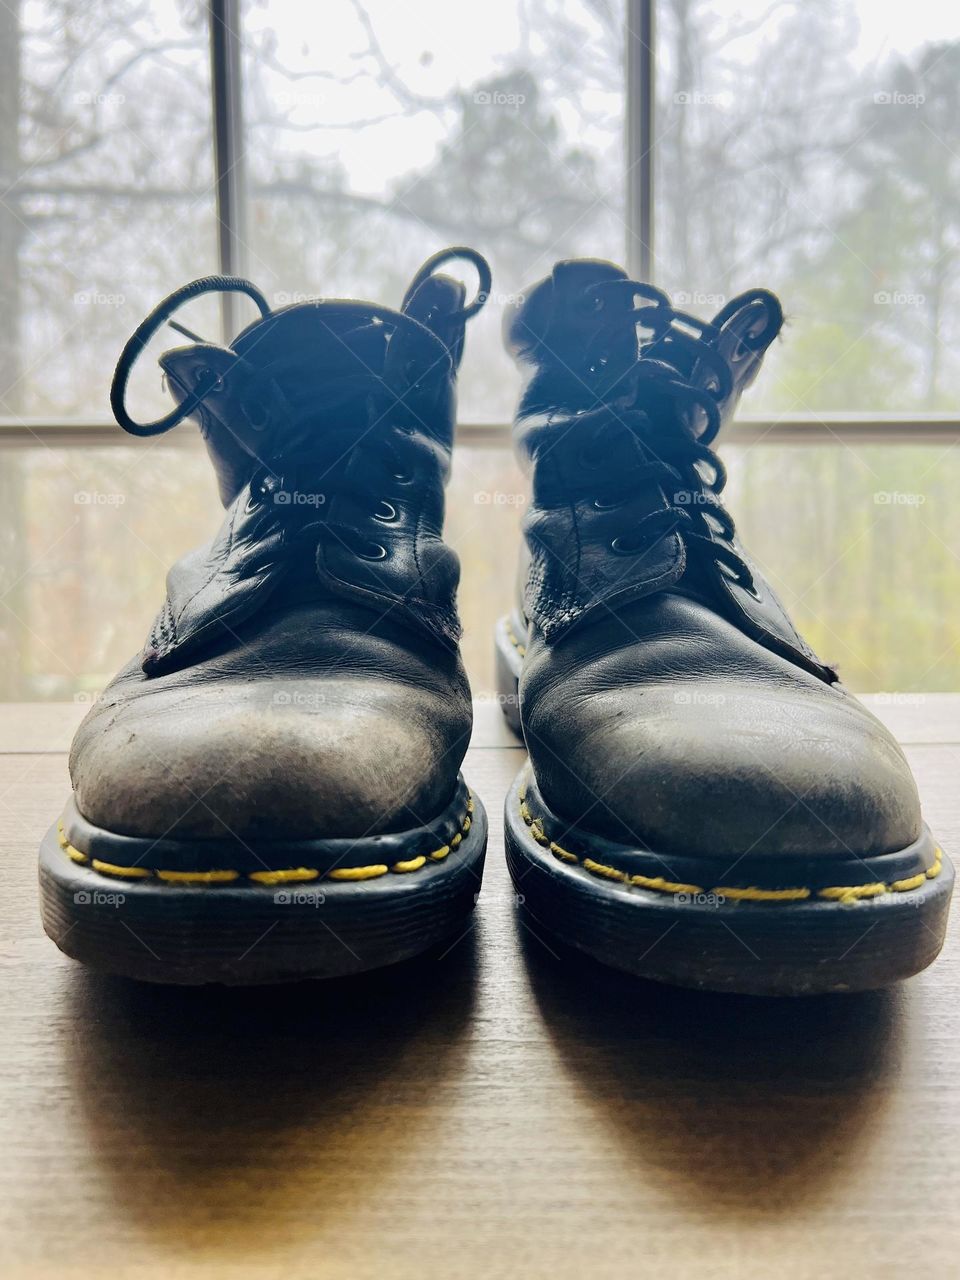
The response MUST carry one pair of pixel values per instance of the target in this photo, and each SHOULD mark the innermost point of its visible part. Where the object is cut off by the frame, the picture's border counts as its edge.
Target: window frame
(225, 39)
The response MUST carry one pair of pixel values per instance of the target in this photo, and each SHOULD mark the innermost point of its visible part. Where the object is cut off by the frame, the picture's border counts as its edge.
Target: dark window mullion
(639, 117)
(227, 89)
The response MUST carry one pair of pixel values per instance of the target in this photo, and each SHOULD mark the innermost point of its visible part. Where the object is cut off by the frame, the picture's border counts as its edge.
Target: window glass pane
(860, 544)
(815, 148)
(378, 133)
(105, 188)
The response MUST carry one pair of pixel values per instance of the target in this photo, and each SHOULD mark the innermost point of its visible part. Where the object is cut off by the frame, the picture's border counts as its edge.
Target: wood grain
(500, 1109)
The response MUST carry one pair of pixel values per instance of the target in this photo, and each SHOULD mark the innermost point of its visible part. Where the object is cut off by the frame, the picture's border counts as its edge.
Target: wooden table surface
(501, 1109)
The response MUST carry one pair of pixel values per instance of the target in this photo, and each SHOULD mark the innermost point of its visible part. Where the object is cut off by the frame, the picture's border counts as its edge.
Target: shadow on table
(227, 1119)
(741, 1107)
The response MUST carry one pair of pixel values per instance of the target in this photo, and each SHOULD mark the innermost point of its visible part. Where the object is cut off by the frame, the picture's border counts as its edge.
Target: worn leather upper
(666, 697)
(302, 676)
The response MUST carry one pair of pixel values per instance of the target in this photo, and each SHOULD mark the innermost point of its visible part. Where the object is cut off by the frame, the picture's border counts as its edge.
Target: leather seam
(225, 555)
(285, 875)
(747, 893)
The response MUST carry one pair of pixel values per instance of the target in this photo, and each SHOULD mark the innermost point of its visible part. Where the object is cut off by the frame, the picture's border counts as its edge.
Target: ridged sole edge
(753, 948)
(247, 934)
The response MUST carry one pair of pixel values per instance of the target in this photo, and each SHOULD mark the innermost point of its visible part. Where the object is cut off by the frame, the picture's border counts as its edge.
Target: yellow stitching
(511, 636)
(852, 892)
(414, 864)
(913, 882)
(291, 876)
(283, 876)
(601, 869)
(132, 873)
(73, 854)
(198, 877)
(752, 894)
(663, 886)
(358, 873)
(834, 893)
(563, 854)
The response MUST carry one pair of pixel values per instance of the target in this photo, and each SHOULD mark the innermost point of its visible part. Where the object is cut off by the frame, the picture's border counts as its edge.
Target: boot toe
(336, 757)
(723, 769)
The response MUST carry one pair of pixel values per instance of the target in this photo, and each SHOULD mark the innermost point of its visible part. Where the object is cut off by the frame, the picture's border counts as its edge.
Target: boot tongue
(286, 383)
(317, 354)
(313, 377)
(556, 317)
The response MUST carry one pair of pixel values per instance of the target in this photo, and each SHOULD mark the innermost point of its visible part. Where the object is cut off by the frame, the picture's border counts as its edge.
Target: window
(810, 147)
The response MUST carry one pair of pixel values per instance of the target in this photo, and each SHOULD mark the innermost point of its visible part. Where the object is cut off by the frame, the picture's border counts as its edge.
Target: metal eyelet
(257, 415)
(216, 379)
(733, 577)
(371, 551)
(262, 487)
(622, 548)
(386, 513)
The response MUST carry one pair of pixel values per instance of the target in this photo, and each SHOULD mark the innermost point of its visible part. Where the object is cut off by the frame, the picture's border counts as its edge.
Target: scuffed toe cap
(269, 759)
(726, 769)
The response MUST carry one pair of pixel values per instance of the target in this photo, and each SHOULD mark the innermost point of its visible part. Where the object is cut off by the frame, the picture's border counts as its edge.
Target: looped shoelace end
(146, 330)
(429, 268)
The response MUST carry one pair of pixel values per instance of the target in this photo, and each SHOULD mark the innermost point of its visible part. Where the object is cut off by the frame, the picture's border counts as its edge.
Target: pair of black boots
(271, 790)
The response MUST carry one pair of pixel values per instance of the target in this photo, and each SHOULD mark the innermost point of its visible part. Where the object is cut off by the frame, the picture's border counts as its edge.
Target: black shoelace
(313, 453)
(659, 404)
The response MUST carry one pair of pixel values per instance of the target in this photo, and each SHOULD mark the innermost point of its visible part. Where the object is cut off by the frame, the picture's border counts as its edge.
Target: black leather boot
(705, 803)
(271, 790)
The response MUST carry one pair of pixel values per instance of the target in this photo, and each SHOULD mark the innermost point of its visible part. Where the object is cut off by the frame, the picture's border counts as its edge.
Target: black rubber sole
(627, 909)
(246, 932)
